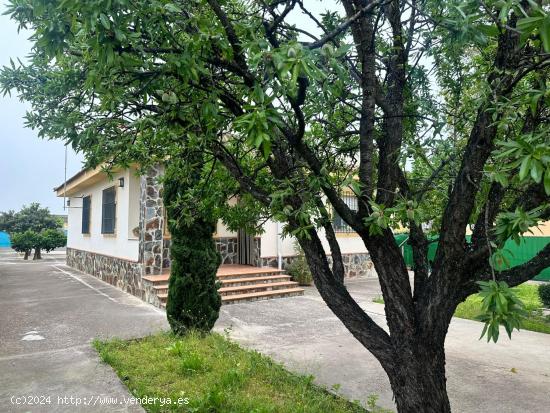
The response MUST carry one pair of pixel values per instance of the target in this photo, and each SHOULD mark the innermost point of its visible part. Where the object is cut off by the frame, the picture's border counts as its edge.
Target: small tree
(33, 219)
(51, 239)
(46, 240)
(23, 242)
(193, 299)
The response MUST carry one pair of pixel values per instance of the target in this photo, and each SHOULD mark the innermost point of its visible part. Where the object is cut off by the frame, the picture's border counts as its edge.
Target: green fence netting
(517, 254)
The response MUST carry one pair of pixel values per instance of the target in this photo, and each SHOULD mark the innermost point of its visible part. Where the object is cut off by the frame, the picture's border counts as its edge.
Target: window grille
(338, 223)
(86, 209)
(108, 217)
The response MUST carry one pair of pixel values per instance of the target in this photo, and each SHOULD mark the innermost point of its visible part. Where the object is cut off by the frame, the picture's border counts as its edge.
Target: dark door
(246, 247)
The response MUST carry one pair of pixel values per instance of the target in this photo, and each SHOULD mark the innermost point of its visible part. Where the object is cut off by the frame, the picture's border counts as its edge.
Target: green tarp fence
(517, 254)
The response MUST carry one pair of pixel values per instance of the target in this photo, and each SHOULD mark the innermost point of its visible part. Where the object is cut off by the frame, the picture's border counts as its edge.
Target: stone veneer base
(127, 275)
(123, 274)
(355, 264)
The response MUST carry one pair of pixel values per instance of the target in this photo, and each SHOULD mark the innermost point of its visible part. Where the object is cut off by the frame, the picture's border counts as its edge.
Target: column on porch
(151, 239)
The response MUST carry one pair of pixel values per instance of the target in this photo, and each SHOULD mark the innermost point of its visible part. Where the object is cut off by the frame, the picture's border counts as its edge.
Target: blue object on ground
(4, 239)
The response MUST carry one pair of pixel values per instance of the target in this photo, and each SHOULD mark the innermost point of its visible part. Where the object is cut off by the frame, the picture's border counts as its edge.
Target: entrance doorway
(245, 245)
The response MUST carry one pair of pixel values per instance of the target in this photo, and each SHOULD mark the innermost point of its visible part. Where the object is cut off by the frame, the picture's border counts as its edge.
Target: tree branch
(344, 26)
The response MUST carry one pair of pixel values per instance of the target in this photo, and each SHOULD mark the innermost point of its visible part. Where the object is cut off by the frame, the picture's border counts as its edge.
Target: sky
(30, 167)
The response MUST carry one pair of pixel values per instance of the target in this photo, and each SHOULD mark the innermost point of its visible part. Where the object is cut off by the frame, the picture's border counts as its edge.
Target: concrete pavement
(49, 315)
(511, 376)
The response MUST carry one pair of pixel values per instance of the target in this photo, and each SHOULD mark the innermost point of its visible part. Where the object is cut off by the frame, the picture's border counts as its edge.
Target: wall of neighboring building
(543, 230)
(120, 244)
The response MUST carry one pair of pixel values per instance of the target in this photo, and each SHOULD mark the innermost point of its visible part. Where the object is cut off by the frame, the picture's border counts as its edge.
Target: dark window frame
(108, 211)
(86, 214)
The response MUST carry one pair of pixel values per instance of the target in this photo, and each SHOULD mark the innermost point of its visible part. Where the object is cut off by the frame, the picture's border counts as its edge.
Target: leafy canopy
(29, 218)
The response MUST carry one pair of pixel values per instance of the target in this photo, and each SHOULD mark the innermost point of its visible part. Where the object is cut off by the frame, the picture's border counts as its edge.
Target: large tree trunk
(27, 253)
(418, 380)
(37, 254)
(412, 356)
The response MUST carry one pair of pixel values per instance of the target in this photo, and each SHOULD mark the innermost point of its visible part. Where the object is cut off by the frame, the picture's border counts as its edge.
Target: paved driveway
(48, 317)
(302, 333)
(50, 313)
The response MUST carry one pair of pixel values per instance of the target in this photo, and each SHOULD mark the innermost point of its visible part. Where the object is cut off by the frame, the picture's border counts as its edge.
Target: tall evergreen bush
(193, 298)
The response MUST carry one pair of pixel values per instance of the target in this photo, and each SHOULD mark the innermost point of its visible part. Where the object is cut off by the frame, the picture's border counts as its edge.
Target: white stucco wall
(116, 245)
(223, 232)
(349, 243)
(269, 242)
(221, 229)
(133, 203)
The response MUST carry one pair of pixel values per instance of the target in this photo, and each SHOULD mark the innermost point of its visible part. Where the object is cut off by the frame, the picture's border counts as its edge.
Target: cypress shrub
(193, 298)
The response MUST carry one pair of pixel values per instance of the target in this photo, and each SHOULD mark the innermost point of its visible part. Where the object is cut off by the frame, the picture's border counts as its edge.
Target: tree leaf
(547, 181)
(104, 21)
(545, 33)
(524, 168)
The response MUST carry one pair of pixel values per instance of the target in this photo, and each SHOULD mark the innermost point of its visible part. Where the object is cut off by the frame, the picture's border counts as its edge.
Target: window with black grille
(338, 223)
(108, 211)
(86, 211)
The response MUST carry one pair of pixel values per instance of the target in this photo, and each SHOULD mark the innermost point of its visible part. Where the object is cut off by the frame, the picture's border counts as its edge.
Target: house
(117, 232)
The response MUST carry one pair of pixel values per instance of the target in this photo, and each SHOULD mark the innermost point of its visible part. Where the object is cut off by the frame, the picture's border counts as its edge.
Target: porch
(239, 283)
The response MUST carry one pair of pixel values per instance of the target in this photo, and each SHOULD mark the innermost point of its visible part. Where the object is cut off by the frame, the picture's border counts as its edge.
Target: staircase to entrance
(239, 283)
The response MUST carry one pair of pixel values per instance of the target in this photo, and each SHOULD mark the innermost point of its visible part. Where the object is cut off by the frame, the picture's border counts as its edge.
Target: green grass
(216, 375)
(378, 299)
(528, 293)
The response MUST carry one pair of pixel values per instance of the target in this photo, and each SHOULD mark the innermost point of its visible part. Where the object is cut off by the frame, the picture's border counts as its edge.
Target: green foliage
(515, 224)
(33, 218)
(531, 154)
(544, 294)
(227, 378)
(537, 23)
(378, 299)
(528, 293)
(373, 407)
(46, 240)
(379, 219)
(299, 269)
(152, 74)
(24, 241)
(499, 306)
(51, 239)
(191, 363)
(193, 299)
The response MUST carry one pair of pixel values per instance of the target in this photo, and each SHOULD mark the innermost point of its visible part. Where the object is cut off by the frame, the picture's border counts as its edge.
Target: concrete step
(157, 279)
(162, 279)
(160, 288)
(256, 288)
(263, 295)
(226, 272)
(239, 283)
(162, 298)
(233, 282)
(245, 295)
